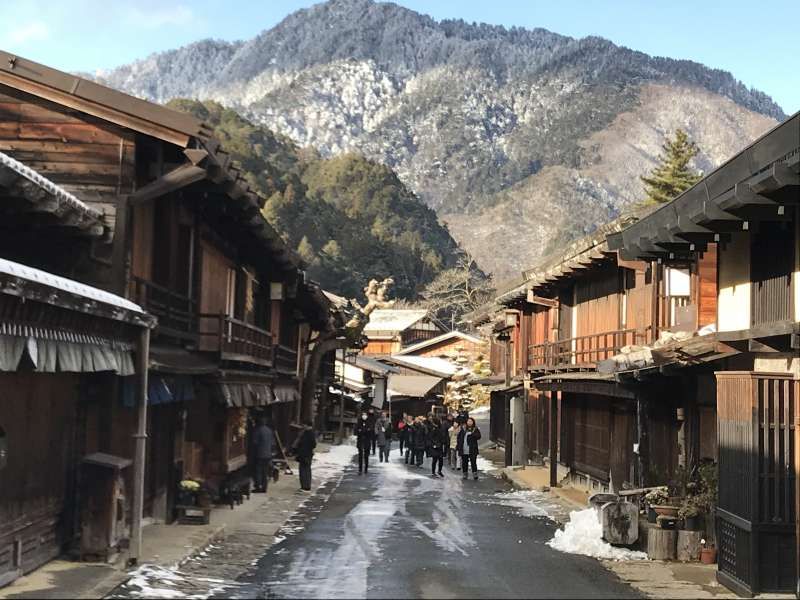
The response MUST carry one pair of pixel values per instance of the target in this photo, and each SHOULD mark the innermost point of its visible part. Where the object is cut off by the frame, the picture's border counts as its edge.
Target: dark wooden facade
(757, 506)
(181, 234)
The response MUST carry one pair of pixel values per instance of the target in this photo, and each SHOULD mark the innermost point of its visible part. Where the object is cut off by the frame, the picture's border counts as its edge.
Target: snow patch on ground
(527, 503)
(583, 535)
(486, 465)
(151, 581)
(327, 465)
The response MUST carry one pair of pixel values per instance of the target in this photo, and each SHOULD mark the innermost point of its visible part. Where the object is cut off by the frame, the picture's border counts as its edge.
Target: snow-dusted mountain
(518, 138)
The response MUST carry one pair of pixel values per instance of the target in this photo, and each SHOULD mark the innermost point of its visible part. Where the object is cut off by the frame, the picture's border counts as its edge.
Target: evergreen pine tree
(672, 175)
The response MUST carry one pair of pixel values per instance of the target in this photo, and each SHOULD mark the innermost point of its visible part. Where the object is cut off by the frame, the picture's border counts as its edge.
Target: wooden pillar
(553, 439)
(796, 384)
(275, 321)
(140, 438)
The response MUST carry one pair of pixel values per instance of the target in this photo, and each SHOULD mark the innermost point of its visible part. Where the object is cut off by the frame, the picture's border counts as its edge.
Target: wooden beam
(534, 299)
(92, 108)
(744, 196)
(780, 175)
(763, 345)
(176, 179)
(197, 156)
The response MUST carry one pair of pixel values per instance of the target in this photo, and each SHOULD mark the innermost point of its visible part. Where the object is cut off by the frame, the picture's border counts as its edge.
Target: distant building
(391, 330)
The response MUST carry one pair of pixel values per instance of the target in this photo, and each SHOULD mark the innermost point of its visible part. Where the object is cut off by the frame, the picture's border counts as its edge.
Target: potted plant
(662, 503)
(691, 513)
(187, 492)
(655, 497)
(708, 553)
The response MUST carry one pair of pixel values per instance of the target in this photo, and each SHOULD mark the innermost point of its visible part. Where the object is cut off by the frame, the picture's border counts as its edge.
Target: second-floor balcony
(236, 340)
(176, 313)
(582, 352)
(285, 359)
(414, 336)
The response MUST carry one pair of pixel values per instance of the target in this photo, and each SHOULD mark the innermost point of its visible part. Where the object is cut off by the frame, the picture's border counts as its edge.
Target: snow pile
(584, 535)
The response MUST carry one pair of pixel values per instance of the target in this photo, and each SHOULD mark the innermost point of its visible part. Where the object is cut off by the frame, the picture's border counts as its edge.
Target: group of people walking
(454, 437)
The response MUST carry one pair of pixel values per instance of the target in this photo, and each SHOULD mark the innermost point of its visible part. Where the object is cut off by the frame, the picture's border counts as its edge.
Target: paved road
(398, 533)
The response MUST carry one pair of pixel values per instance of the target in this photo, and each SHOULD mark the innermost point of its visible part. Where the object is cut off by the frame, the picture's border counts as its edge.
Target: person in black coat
(437, 439)
(467, 442)
(420, 441)
(304, 451)
(371, 419)
(447, 422)
(263, 439)
(364, 432)
(409, 433)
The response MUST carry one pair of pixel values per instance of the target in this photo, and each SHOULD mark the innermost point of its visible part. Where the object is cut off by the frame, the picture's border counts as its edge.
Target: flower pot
(666, 510)
(708, 556)
(651, 515)
(694, 523)
(186, 498)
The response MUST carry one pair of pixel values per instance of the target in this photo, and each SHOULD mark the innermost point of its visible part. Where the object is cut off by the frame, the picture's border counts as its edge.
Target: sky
(758, 44)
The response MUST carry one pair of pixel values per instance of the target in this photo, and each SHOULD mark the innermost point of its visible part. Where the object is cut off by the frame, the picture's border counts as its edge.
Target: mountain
(351, 219)
(517, 138)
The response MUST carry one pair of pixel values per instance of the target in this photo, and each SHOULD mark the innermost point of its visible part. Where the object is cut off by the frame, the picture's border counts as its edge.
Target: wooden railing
(413, 336)
(237, 340)
(176, 313)
(285, 359)
(585, 350)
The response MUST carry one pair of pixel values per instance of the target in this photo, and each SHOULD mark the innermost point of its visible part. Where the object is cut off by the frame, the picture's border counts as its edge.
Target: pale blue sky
(757, 42)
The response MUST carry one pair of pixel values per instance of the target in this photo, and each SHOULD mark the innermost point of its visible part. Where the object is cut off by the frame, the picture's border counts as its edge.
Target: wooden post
(688, 546)
(140, 438)
(797, 482)
(553, 439)
(662, 544)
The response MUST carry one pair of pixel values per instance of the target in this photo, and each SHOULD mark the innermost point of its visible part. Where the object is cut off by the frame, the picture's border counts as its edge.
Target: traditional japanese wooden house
(391, 330)
(749, 208)
(577, 310)
(448, 345)
(185, 240)
(65, 349)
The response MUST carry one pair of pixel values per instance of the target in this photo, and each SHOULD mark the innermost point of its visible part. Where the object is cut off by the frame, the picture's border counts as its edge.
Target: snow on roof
(336, 300)
(48, 186)
(439, 339)
(431, 364)
(393, 319)
(412, 386)
(374, 366)
(63, 284)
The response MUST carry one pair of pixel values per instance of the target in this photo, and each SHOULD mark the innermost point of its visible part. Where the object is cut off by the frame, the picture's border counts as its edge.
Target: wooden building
(449, 345)
(65, 349)
(391, 330)
(749, 208)
(577, 309)
(185, 239)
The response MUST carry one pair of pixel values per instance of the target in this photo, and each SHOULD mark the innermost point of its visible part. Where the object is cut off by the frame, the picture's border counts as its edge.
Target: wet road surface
(398, 533)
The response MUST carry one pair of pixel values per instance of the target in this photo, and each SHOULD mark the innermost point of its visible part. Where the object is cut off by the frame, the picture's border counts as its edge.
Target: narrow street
(396, 532)
(399, 533)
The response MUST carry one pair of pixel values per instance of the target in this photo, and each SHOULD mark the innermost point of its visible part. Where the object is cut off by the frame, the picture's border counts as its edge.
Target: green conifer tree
(672, 175)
